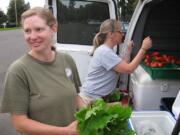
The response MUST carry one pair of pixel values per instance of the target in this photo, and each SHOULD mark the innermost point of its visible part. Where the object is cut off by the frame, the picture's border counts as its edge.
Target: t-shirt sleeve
(77, 81)
(16, 95)
(109, 59)
(75, 77)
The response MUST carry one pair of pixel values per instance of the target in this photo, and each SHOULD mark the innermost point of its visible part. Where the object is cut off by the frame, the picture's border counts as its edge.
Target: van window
(79, 21)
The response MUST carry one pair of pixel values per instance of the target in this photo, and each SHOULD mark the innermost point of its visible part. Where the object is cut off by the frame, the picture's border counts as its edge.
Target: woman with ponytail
(106, 65)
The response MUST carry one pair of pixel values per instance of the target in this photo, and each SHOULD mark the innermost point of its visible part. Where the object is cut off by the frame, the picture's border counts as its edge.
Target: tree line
(14, 11)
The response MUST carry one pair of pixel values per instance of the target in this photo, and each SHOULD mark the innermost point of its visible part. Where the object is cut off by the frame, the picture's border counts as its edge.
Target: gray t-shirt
(101, 79)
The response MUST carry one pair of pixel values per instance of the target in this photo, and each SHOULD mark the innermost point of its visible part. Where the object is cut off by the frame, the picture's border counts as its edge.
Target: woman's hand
(147, 43)
(72, 128)
(28, 126)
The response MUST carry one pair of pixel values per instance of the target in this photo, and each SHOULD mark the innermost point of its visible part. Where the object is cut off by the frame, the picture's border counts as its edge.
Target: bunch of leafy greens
(102, 119)
(114, 96)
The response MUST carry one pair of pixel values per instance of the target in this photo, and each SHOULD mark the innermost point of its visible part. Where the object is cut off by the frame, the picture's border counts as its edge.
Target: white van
(79, 21)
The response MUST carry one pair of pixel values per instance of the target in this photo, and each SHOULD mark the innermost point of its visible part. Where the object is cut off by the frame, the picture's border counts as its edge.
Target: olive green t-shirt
(44, 91)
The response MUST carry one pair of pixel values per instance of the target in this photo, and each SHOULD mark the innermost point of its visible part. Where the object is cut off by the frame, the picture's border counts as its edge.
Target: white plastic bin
(147, 93)
(152, 122)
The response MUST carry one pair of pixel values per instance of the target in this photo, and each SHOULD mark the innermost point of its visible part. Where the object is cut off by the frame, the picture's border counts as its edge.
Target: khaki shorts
(87, 100)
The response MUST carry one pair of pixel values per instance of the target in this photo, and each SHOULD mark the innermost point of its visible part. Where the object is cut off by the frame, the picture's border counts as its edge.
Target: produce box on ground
(162, 66)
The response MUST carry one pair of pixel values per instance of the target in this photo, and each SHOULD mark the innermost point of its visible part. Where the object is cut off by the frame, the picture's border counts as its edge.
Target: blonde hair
(43, 13)
(109, 25)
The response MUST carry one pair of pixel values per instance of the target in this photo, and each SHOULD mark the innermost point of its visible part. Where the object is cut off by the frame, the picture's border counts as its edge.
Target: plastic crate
(169, 71)
(152, 122)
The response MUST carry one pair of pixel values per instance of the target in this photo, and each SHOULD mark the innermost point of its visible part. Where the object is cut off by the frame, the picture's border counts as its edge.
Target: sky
(4, 4)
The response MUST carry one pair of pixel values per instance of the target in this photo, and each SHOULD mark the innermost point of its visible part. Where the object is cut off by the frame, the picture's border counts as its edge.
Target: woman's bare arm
(25, 125)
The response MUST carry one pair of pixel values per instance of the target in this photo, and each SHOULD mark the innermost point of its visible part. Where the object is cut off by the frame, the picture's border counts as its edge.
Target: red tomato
(173, 61)
(167, 59)
(147, 56)
(164, 56)
(177, 62)
(160, 64)
(155, 53)
(148, 64)
(154, 64)
(159, 58)
(146, 60)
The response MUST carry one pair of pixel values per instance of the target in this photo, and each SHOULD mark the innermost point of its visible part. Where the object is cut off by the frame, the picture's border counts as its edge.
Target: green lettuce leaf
(101, 119)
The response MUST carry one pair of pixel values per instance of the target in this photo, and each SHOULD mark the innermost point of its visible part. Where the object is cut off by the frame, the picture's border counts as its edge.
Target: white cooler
(147, 93)
(152, 122)
(157, 122)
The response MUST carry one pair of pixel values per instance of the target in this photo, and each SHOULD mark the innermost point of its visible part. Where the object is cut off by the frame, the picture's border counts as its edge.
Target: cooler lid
(176, 106)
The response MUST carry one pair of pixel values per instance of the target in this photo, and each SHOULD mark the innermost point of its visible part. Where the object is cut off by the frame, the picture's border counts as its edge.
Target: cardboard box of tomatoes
(162, 65)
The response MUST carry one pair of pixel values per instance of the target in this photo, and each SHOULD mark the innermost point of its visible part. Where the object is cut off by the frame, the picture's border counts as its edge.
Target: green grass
(14, 28)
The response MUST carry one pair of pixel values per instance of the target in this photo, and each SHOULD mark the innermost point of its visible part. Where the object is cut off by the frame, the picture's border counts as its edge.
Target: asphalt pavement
(12, 46)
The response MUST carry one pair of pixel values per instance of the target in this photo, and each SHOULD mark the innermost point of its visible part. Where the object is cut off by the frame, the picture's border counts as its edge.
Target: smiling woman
(47, 81)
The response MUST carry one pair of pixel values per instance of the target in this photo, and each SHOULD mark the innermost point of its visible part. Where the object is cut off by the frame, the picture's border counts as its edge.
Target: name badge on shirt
(68, 72)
